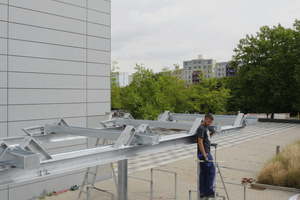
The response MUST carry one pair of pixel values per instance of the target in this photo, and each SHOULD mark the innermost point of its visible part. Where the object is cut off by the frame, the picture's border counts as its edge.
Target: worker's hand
(206, 159)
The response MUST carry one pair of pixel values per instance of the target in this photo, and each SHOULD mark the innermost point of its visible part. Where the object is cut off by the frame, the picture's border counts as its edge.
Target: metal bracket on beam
(61, 121)
(108, 123)
(144, 128)
(165, 116)
(30, 144)
(108, 115)
(195, 126)
(128, 116)
(239, 120)
(125, 137)
(3, 148)
(34, 130)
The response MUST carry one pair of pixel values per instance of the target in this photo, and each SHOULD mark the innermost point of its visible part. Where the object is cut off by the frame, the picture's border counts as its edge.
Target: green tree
(266, 80)
(210, 95)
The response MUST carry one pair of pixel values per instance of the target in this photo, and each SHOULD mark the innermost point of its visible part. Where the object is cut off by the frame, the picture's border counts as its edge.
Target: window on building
(185, 68)
(204, 67)
(185, 77)
(199, 67)
(190, 68)
(180, 73)
(195, 67)
(190, 63)
(179, 77)
(208, 71)
(208, 62)
(219, 69)
(204, 62)
(176, 73)
(209, 66)
(189, 77)
(189, 72)
(185, 63)
(195, 62)
(205, 76)
(222, 74)
(223, 69)
(208, 76)
(219, 74)
(199, 62)
(185, 72)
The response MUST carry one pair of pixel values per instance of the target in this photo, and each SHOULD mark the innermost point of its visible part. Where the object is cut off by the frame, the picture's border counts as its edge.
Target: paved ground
(248, 150)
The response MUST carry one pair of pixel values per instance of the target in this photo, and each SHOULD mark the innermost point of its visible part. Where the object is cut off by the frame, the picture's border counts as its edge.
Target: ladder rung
(88, 182)
(92, 173)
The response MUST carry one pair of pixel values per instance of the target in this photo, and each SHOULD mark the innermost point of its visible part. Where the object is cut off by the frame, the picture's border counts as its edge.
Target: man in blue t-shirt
(207, 167)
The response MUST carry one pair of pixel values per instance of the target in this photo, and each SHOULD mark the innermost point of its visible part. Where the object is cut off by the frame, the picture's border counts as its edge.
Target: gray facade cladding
(54, 62)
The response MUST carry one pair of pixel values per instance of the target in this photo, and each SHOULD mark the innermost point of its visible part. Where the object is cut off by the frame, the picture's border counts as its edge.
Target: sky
(160, 33)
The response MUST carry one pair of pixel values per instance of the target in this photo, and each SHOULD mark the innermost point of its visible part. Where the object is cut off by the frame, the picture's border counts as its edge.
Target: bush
(284, 168)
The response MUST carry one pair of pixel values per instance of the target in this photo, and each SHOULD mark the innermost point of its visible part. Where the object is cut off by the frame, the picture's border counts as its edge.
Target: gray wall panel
(3, 96)
(3, 79)
(41, 96)
(98, 30)
(3, 129)
(98, 108)
(45, 65)
(4, 1)
(52, 7)
(31, 49)
(3, 113)
(24, 32)
(34, 112)
(45, 20)
(99, 5)
(98, 17)
(95, 82)
(98, 69)
(29, 80)
(52, 184)
(4, 194)
(98, 96)
(3, 12)
(98, 43)
(3, 45)
(3, 29)
(99, 56)
(15, 127)
(74, 2)
(3, 63)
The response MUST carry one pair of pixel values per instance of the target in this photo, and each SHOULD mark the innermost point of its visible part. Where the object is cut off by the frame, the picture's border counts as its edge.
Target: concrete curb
(292, 121)
(273, 187)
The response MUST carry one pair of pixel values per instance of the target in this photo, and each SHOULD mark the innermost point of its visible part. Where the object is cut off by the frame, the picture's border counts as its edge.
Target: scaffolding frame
(23, 158)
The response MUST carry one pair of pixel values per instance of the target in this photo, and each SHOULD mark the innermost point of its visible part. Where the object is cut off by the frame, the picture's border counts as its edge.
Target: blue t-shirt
(203, 133)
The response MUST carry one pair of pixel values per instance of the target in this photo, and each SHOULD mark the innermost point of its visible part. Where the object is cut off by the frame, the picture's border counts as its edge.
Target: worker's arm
(201, 146)
(212, 134)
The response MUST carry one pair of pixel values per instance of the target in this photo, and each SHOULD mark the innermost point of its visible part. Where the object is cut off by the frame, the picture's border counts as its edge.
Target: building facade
(178, 73)
(54, 62)
(206, 68)
(122, 78)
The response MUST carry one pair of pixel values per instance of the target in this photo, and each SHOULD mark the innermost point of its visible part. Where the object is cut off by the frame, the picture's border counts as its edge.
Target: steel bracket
(30, 144)
(165, 116)
(125, 137)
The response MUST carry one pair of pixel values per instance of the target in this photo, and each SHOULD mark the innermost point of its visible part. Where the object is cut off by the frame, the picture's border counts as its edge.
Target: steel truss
(23, 158)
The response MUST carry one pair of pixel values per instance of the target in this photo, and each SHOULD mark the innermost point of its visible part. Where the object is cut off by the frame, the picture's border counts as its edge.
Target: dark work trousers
(207, 175)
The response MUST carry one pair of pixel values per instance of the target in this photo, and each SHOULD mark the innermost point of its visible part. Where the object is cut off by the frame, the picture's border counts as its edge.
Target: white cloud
(160, 33)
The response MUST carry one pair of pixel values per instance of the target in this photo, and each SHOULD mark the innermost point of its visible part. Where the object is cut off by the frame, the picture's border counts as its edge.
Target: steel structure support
(123, 179)
(135, 138)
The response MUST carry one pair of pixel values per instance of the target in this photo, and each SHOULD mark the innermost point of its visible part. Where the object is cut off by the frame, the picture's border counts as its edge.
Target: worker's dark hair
(209, 116)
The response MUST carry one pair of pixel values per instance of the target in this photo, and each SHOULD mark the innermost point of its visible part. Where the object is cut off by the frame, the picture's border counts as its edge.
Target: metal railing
(152, 182)
(152, 169)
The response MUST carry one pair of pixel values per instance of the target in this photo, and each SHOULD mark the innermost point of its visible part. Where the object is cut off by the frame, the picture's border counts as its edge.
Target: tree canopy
(267, 79)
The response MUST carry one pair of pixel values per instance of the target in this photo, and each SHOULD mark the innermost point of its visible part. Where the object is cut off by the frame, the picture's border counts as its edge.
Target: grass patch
(284, 168)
